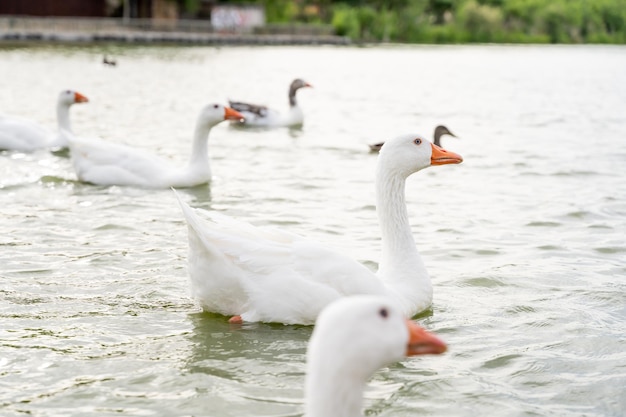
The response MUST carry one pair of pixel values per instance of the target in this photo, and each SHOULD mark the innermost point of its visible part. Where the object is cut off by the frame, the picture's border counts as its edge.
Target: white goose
(271, 275)
(99, 162)
(262, 116)
(27, 136)
(352, 339)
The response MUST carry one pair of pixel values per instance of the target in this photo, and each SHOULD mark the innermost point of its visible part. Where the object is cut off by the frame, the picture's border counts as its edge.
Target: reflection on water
(258, 365)
(524, 241)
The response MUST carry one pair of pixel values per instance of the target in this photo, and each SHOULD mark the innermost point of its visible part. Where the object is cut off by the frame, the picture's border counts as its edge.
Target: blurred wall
(162, 9)
(83, 8)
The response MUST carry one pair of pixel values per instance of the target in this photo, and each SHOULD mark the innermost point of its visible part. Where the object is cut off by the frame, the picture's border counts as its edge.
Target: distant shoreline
(70, 30)
(178, 38)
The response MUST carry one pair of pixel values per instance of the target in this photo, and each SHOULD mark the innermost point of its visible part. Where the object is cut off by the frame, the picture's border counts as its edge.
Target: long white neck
(199, 160)
(401, 266)
(63, 117)
(63, 125)
(334, 391)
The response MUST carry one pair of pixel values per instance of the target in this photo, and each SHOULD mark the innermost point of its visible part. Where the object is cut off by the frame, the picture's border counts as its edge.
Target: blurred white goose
(27, 136)
(99, 162)
(262, 116)
(270, 275)
(439, 132)
(352, 339)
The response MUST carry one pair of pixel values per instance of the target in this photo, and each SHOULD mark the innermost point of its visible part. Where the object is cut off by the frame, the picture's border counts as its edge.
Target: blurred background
(412, 21)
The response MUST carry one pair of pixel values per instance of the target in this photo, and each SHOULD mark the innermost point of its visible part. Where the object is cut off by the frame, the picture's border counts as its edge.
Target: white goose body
(24, 135)
(270, 117)
(99, 162)
(263, 116)
(271, 275)
(352, 339)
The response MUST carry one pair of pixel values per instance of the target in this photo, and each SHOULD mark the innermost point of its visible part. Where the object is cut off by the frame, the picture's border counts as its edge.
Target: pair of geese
(104, 163)
(256, 274)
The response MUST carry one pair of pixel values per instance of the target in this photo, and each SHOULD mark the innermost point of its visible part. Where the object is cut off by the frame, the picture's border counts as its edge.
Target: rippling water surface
(525, 241)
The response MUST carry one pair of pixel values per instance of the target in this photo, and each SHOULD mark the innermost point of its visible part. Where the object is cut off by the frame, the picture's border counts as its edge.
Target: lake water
(525, 241)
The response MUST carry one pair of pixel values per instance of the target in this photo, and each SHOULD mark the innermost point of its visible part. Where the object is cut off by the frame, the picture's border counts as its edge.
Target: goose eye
(215, 106)
(417, 141)
(383, 313)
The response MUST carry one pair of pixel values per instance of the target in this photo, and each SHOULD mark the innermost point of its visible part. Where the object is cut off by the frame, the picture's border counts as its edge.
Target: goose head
(298, 83)
(69, 97)
(439, 132)
(295, 85)
(442, 130)
(213, 114)
(410, 153)
(368, 332)
(353, 338)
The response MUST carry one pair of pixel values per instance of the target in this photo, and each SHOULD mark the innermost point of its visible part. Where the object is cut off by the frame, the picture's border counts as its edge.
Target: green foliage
(439, 8)
(191, 6)
(612, 15)
(280, 11)
(346, 21)
(556, 21)
(368, 19)
(453, 21)
(482, 22)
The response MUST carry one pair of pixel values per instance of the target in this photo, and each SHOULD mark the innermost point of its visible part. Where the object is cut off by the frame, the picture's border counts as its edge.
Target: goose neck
(397, 239)
(401, 266)
(63, 117)
(200, 147)
(292, 97)
(334, 392)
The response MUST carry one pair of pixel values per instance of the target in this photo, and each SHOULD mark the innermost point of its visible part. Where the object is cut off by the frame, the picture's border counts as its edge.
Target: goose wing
(268, 274)
(106, 163)
(242, 107)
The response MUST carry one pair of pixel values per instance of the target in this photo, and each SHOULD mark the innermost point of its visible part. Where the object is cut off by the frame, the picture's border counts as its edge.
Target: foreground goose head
(407, 154)
(352, 339)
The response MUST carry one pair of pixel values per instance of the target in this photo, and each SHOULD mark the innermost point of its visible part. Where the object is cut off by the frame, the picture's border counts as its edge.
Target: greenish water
(524, 240)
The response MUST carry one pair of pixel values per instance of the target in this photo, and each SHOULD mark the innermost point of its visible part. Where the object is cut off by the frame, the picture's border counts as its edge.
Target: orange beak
(422, 342)
(79, 98)
(308, 85)
(442, 157)
(230, 114)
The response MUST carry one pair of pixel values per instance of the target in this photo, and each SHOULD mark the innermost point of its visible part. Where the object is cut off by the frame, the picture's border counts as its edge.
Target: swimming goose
(262, 116)
(271, 275)
(27, 136)
(99, 162)
(109, 62)
(352, 339)
(439, 132)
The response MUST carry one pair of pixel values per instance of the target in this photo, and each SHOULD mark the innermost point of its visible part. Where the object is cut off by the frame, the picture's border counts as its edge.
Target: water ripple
(524, 240)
